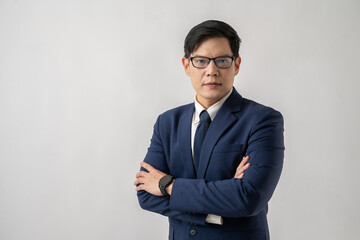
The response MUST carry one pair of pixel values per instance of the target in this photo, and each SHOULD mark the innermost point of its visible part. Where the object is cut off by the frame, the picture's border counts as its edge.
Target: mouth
(212, 84)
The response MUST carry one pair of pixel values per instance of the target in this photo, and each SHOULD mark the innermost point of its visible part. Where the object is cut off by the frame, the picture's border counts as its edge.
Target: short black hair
(210, 29)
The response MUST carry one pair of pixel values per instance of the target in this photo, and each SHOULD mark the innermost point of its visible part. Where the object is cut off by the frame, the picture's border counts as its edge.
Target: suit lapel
(224, 119)
(184, 141)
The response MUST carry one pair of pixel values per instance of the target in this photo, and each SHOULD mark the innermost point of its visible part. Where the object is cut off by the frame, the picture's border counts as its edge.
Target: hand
(149, 181)
(243, 166)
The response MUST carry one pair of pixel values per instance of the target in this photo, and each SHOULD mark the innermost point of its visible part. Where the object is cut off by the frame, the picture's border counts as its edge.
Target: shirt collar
(212, 110)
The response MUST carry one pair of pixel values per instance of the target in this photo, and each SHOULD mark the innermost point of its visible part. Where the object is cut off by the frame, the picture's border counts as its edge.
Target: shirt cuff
(214, 219)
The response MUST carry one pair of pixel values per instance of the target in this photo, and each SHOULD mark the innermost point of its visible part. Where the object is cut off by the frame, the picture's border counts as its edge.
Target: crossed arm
(242, 196)
(149, 181)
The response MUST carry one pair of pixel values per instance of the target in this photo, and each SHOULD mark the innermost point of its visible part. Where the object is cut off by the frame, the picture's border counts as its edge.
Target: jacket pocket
(223, 162)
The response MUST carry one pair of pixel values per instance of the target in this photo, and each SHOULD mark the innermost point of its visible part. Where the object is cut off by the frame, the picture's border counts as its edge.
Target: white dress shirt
(212, 111)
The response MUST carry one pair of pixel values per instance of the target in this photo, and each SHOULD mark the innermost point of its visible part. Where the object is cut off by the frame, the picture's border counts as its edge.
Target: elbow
(253, 203)
(255, 208)
(246, 209)
(143, 205)
(152, 203)
(142, 199)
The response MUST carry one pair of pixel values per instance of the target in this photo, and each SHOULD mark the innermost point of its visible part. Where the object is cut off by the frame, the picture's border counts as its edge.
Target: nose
(211, 69)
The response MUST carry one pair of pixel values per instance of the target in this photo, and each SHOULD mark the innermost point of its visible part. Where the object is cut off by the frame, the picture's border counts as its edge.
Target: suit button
(192, 232)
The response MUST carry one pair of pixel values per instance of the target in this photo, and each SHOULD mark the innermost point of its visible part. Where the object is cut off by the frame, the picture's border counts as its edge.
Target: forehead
(213, 47)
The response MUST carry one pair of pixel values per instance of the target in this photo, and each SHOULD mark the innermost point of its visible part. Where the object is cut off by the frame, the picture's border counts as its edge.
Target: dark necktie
(201, 129)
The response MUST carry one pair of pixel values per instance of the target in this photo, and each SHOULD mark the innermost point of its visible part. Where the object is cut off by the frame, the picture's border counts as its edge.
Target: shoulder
(174, 115)
(259, 112)
(249, 108)
(178, 112)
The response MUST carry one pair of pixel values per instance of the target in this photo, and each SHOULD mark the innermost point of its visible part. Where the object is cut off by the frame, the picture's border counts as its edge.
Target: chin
(215, 95)
(214, 98)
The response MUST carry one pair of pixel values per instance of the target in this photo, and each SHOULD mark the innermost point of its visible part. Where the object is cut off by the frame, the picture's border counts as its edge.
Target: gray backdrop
(82, 82)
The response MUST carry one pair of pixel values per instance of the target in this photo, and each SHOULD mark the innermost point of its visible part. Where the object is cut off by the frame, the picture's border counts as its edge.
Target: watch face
(165, 180)
(163, 183)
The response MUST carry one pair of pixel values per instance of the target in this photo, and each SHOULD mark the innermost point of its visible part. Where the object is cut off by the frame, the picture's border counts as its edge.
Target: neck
(206, 104)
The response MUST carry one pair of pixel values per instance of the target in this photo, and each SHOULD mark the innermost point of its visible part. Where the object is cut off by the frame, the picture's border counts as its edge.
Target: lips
(212, 84)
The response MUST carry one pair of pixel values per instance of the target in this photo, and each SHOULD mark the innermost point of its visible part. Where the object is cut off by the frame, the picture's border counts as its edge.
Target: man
(193, 171)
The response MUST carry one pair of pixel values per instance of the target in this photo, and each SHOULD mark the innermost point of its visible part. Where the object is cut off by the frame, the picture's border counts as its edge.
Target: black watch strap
(164, 182)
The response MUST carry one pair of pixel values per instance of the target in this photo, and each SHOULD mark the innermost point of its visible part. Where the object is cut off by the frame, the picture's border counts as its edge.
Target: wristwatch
(164, 182)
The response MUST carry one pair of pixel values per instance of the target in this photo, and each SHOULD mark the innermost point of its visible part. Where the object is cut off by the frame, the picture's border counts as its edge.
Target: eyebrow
(209, 57)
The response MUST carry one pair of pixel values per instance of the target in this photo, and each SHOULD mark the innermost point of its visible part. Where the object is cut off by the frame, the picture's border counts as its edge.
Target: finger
(141, 174)
(243, 169)
(140, 187)
(239, 176)
(147, 166)
(246, 167)
(139, 181)
(243, 161)
(237, 173)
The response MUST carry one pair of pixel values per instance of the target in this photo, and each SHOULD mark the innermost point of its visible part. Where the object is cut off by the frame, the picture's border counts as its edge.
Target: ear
(186, 64)
(237, 65)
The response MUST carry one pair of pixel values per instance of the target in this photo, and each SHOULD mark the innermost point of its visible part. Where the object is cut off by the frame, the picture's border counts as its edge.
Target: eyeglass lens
(220, 62)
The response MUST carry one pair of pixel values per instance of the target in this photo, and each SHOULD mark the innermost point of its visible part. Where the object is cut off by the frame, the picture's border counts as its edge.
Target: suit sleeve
(239, 197)
(156, 157)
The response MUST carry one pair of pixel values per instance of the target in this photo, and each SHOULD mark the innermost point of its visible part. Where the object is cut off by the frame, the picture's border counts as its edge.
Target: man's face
(212, 83)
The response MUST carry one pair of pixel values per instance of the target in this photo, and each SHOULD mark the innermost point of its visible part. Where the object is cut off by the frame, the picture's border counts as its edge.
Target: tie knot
(204, 117)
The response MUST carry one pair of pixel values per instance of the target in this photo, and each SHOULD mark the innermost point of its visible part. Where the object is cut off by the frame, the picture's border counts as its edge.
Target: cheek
(196, 80)
(229, 78)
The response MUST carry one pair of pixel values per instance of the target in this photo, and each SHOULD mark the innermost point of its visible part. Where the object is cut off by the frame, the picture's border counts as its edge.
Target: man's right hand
(243, 166)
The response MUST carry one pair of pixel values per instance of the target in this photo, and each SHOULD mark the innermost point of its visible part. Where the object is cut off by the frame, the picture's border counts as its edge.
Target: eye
(221, 60)
(200, 61)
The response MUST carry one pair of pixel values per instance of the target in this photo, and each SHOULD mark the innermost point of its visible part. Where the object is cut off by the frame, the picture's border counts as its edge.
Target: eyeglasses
(220, 62)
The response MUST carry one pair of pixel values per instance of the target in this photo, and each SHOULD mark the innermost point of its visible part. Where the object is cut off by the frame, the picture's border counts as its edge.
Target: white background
(82, 82)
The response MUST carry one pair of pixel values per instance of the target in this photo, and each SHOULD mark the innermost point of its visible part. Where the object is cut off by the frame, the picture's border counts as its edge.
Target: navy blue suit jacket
(241, 127)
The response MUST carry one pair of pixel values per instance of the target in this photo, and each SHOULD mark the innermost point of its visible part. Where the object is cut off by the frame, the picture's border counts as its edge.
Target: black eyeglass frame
(214, 59)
